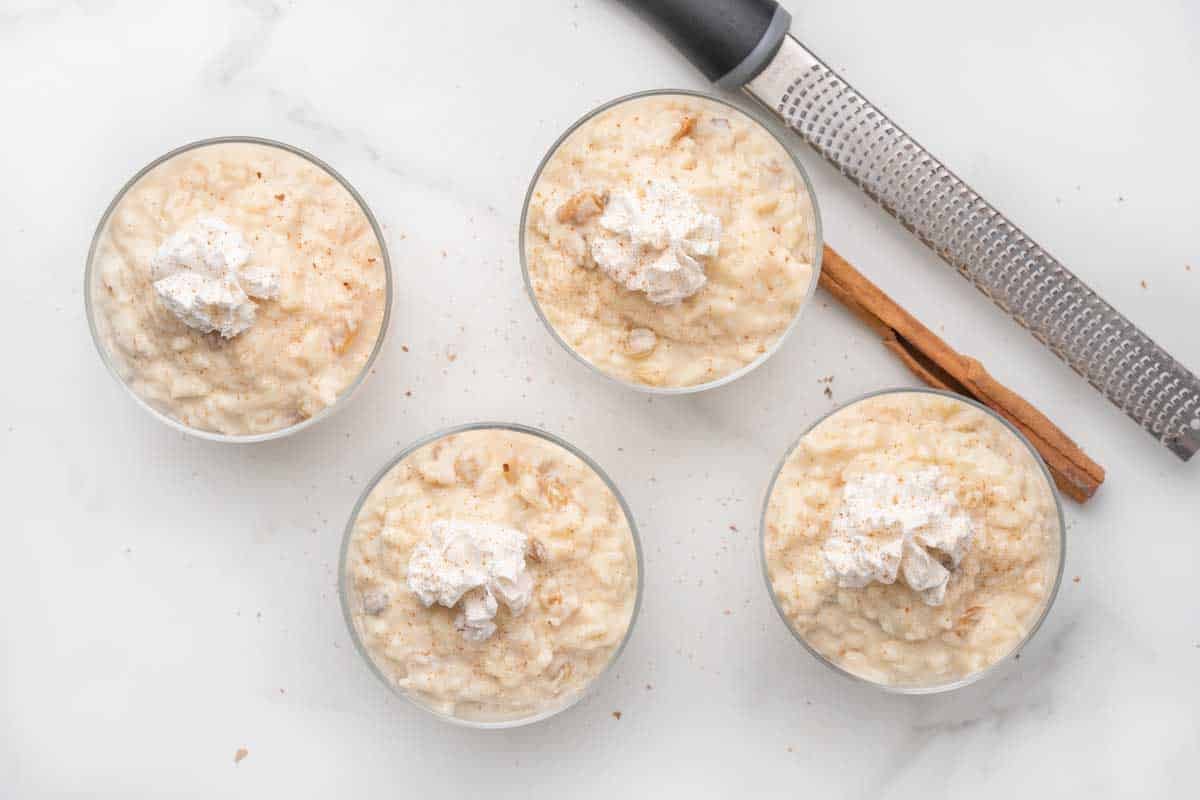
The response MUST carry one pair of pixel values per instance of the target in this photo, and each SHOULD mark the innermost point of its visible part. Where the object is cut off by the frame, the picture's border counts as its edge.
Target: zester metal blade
(1037, 291)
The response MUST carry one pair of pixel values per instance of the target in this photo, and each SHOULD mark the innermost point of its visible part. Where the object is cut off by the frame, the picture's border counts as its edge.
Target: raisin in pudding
(238, 288)
(670, 241)
(912, 539)
(490, 575)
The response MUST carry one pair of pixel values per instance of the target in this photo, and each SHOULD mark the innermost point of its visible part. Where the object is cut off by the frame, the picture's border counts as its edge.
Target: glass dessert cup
(350, 599)
(814, 232)
(90, 278)
(934, 687)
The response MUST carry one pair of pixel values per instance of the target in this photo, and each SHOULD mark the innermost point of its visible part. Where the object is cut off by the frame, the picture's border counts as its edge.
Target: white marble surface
(166, 601)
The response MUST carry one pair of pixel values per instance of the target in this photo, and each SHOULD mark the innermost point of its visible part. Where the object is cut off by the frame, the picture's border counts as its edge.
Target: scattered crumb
(408, 393)
(1144, 285)
(280, 197)
(1075, 579)
(259, 174)
(650, 686)
(281, 691)
(829, 393)
(404, 347)
(240, 754)
(789, 749)
(733, 528)
(451, 356)
(616, 715)
(1017, 657)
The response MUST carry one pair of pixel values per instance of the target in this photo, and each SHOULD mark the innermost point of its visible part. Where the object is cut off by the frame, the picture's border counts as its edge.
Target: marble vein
(248, 45)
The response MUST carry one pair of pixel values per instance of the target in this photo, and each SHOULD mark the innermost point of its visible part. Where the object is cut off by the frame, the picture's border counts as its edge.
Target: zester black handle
(730, 41)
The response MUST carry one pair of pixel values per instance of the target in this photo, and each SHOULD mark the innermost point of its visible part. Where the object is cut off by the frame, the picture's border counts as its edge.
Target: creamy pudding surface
(491, 575)
(669, 240)
(238, 288)
(912, 539)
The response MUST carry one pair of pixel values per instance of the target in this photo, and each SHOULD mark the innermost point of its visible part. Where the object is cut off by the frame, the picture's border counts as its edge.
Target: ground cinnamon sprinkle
(685, 128)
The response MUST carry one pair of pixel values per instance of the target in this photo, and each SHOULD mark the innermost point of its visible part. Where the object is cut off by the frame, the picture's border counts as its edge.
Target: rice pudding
(911, 538)
(490, 575)
(238, 287)
(670, 240)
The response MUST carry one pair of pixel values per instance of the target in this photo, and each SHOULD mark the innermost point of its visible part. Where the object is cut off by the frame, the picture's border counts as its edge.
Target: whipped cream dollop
(908, 525)
(474, 565)
(198, 275)
(654, 244)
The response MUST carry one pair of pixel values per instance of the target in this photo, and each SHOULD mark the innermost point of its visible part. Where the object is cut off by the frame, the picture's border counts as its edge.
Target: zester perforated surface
(1155, 390)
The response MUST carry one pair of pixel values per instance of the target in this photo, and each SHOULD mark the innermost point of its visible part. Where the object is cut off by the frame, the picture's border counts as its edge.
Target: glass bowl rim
(408, 450)
(162, 416)
(900, 689)
(817, 234)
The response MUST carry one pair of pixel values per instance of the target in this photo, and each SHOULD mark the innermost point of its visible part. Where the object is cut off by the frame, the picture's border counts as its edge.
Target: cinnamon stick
(940, 366)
